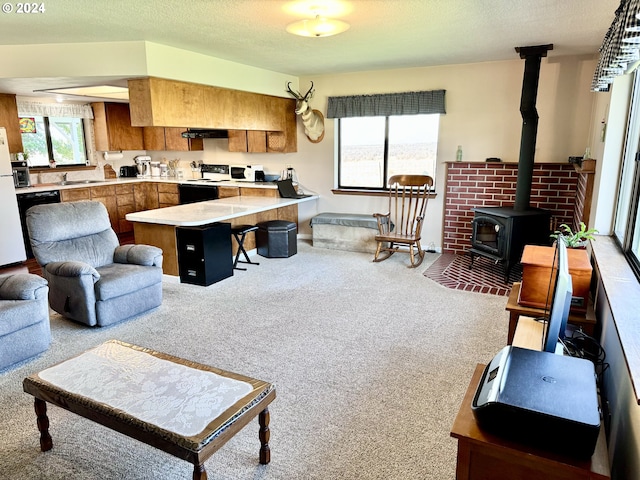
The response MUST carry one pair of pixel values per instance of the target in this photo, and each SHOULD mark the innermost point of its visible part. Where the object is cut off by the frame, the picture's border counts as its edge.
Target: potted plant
(577, 239)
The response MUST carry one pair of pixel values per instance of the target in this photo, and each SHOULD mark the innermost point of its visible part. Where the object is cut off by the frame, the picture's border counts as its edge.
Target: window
(627, 218)
(49, 139)
(372, 149)
(386, 134)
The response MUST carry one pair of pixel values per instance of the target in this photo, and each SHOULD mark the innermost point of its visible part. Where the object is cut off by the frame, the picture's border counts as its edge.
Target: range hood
(205, 133)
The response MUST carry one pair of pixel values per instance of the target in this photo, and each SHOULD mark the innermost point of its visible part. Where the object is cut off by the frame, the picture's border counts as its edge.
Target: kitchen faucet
(64, 177)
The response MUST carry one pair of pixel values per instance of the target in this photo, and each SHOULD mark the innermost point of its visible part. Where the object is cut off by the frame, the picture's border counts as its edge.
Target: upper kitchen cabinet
(113, 130)
(271, 120)
(170, 139)
(9, 120)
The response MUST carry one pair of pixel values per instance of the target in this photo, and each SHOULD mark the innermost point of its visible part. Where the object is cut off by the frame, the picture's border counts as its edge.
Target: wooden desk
(482, 456)
(587, 322)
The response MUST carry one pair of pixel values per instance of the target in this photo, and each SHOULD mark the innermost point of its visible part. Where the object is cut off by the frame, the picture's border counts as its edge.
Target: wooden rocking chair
(400, 228)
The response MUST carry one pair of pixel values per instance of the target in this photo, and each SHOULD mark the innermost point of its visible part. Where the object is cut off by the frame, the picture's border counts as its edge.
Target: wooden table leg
(199, 472)
(264, 434)
(46, 443)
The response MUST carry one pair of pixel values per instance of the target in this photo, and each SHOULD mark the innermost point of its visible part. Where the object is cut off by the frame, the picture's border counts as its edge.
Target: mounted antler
(312, 120)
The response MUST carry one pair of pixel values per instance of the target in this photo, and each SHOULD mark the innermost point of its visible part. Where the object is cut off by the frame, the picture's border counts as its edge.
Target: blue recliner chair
(92, 278)
(24, 317)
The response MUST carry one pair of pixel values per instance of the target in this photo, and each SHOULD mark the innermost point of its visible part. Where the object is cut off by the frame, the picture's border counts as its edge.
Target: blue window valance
(386, 104)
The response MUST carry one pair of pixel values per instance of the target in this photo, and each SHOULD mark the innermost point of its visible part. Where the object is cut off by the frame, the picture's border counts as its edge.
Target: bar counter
(158, 227)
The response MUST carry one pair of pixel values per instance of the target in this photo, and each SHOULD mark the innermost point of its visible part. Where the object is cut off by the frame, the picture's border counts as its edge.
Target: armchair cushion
(72, 231)
(71, 269)
(22, 286)
(146, 255)
(120, 278)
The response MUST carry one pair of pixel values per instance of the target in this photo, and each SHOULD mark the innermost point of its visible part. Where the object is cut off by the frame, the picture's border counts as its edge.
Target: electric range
(215, 173)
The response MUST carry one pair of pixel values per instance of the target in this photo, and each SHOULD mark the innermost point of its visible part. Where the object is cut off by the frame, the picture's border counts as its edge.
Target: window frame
(631, 208)
(385, 160)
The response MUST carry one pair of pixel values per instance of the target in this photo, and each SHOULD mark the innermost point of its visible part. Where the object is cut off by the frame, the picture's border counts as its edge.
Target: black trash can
(277, 239)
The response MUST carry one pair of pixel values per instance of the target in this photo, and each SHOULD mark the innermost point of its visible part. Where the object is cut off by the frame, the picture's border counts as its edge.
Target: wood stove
(500, 233)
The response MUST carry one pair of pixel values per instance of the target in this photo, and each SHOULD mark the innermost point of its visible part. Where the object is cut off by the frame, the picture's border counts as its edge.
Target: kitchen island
(158, 227)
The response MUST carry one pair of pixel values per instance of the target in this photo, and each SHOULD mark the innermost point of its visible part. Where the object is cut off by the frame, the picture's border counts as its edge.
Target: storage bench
(345, 231)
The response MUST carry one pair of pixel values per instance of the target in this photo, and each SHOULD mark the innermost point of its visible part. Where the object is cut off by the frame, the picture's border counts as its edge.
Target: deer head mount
(313, 120)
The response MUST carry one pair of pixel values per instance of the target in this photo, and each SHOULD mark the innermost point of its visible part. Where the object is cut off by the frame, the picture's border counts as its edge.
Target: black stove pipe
(531, 56)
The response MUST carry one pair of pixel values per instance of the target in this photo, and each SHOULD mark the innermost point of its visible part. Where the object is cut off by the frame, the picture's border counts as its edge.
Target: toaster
(128, 171)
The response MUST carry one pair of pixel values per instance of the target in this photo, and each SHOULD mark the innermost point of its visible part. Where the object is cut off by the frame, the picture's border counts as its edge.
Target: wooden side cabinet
(113, 130)
(9, 120)
(483, 456)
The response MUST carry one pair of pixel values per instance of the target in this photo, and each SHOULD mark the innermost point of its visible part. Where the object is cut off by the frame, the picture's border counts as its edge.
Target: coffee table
(181, 407)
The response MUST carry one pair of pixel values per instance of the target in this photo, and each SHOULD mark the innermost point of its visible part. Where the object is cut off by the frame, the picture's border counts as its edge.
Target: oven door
(197, 193)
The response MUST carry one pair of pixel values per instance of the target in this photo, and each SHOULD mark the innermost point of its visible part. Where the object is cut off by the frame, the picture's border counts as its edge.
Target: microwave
(247, 173)
(21, 177)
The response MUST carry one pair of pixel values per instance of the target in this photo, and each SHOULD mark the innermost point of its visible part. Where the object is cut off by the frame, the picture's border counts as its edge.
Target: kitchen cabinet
(9, 120)
(146, 196)
(75, 194)
(168, 195)
(113, 129)
(269, 121)
(170, 139)
(250, 141)
(226, 192)
(259, 192)
(126, 203)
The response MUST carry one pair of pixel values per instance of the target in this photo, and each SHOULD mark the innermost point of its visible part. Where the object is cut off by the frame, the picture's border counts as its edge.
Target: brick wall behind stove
(471, 185)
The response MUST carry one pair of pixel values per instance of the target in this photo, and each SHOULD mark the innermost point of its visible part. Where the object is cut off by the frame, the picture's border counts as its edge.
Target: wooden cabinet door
(146, 196)
(9, 120)
(75, 194)
(256, 141)
(168, 195)
(112, 127)
(237, 140)
(153, 138)
(225, 192)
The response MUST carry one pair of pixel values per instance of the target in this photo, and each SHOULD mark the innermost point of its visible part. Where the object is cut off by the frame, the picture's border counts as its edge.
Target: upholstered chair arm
(72, 269)
(146, 255)
(22, 286)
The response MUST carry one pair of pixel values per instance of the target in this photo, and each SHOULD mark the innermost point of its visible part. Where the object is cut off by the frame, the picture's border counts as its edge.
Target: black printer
(542, 399)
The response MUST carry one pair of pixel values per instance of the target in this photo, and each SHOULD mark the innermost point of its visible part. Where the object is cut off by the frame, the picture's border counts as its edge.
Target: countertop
(43, 187)
(203, 213)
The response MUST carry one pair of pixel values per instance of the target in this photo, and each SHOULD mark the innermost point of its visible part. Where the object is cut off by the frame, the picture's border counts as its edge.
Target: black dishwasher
(190, 193)
(28, 200)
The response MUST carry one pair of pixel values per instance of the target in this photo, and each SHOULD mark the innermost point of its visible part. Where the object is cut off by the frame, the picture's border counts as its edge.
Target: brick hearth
(473, 184)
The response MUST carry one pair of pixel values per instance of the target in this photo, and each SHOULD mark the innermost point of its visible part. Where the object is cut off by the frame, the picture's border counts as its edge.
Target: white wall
(482, 102)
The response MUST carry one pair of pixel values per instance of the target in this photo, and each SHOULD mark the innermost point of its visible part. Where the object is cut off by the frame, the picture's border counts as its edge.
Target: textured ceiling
(383, 34)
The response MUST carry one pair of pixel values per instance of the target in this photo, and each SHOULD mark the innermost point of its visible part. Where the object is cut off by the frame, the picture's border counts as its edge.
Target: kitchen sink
(78, 182)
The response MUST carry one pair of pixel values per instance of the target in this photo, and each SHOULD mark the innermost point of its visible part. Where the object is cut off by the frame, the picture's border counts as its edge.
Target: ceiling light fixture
(317, 27)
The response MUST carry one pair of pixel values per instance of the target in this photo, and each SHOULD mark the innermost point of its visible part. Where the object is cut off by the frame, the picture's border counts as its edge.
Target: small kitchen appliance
(246, 173)
(143, 164)
(20, 174)
(128, 171)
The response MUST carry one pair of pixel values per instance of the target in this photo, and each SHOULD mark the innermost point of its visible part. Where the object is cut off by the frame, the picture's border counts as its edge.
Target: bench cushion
(345, 219)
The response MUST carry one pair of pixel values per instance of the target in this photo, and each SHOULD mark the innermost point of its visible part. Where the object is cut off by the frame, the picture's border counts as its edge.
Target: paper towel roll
(109, 156)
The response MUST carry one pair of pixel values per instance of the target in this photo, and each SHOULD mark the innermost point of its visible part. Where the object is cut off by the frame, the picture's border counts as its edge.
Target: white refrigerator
(11, 239)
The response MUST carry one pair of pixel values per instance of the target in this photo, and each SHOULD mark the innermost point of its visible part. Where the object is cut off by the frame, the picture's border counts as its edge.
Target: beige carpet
(370, 363)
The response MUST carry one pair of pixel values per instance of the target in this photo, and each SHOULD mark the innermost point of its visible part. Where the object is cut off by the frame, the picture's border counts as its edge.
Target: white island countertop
(203, 213)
